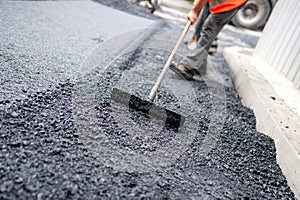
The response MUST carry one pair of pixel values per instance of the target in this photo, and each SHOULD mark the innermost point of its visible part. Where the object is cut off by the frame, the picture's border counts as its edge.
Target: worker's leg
(198, 27)
(197, 59)
(201, 19)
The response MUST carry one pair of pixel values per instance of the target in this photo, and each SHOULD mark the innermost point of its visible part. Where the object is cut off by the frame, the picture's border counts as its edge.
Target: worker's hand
(192, 16)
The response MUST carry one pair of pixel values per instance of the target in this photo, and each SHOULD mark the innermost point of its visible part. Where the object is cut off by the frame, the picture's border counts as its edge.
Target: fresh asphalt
(47, 151)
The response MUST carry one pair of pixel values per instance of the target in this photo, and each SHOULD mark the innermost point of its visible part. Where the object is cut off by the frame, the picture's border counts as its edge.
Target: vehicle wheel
(253, 15)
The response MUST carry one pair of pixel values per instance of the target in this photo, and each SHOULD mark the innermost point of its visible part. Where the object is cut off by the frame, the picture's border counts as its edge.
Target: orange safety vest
(218, 6)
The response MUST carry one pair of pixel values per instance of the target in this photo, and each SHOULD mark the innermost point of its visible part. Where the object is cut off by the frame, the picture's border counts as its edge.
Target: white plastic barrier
(279, 44)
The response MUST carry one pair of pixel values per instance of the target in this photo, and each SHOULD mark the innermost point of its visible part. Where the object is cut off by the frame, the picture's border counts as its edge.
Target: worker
(198, 26)
(192, 43)
(221, 12)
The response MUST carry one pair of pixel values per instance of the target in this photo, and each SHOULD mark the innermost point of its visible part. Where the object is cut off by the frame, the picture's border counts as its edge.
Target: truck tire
(253, 15)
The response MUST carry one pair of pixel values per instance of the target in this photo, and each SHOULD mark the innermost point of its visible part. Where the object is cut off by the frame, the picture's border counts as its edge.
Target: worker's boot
(186, 72)
(214, 47)
(192, 43)
(201, 70)
(192, 40)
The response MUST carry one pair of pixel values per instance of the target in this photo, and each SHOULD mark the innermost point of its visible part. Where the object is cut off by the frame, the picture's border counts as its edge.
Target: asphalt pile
(45, 154)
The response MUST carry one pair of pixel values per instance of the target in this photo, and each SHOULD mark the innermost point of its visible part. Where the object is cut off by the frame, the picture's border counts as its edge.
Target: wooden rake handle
(156, 87)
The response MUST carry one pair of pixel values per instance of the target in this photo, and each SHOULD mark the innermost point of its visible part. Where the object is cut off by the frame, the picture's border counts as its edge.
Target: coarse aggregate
(44, 154)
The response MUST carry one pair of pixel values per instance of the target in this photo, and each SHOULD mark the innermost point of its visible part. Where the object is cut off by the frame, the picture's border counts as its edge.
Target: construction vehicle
(254, 14)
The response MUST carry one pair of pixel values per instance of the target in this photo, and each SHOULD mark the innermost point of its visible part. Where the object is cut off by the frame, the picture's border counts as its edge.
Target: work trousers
(200, 21)
(197, 58)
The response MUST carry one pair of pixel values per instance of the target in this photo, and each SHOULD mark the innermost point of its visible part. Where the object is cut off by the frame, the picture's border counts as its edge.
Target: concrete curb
(274, 117)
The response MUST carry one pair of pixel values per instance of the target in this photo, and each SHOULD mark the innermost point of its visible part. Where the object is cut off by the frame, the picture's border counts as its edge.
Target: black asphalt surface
(48, 151)
(47, 41)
